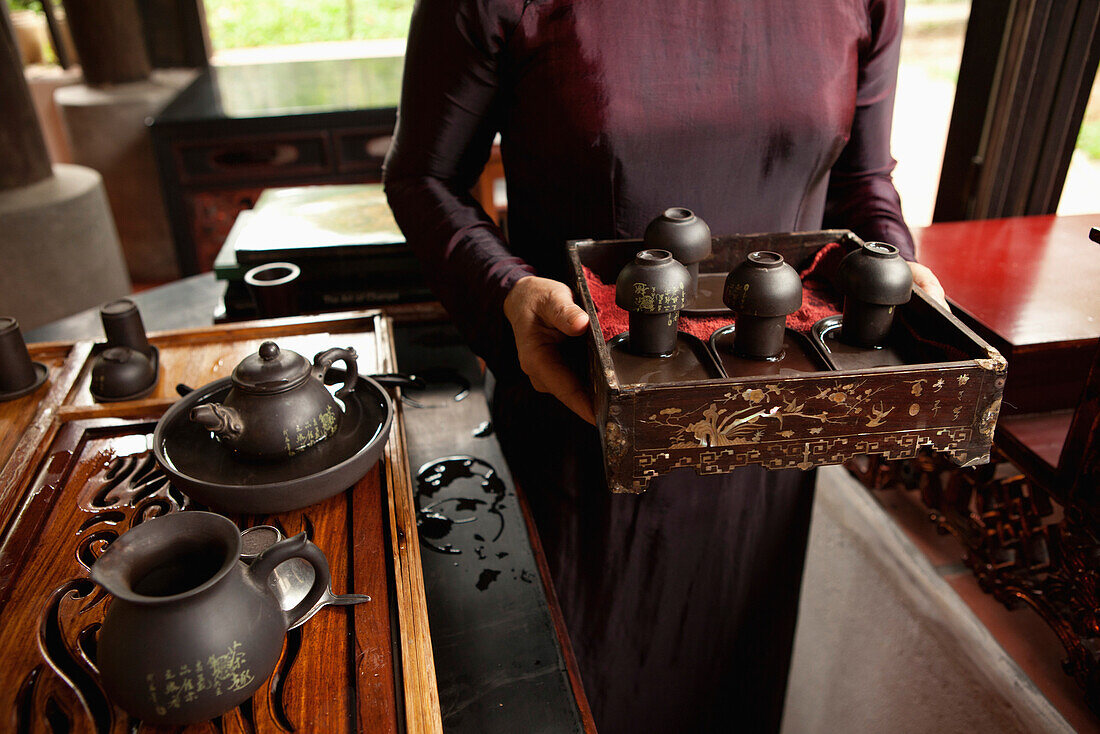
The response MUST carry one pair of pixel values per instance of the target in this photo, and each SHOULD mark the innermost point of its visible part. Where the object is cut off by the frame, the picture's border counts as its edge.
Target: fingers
(559, 381)
(556, 309)
(548, 372)
(542, 314)
(927, 280)
(567, 317)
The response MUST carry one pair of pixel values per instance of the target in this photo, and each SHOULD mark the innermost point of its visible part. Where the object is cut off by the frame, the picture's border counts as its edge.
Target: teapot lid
(271, 370)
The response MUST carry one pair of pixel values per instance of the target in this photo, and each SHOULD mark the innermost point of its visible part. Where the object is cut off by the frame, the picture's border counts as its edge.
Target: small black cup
(18, 374)
(122, 373)
(123, 326)
(274, 289)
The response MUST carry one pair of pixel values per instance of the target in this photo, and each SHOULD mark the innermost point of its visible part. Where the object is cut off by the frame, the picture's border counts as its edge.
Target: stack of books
(342, 237)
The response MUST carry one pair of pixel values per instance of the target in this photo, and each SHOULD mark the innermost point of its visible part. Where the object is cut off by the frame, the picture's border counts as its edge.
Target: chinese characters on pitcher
(318, 428)
(217, 675)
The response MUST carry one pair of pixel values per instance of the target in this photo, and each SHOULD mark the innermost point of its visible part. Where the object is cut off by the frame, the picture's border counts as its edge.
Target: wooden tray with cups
(208, 528)
(787, 350)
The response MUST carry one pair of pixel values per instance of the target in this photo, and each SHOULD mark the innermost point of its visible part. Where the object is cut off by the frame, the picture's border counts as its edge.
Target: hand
(927, 280)
(543, 315)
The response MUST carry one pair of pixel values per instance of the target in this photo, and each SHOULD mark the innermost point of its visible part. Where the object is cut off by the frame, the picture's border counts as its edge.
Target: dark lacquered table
(1028, 286)
(502, 660)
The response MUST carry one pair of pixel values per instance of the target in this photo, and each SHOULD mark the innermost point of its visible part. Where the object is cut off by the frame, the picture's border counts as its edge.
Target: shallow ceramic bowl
(215, 475)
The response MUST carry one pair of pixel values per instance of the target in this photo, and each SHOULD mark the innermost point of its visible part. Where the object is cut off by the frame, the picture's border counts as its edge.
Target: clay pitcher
(193, 631)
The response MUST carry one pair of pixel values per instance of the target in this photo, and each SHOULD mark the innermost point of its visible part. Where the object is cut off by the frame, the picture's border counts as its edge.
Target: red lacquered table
(1027, 285)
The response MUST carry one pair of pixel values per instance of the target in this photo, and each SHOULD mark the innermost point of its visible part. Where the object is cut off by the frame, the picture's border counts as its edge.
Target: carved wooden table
(78, 474)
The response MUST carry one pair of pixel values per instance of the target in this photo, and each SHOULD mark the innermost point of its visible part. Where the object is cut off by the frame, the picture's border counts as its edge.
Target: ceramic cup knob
(684, 235)
(874, 280)
(653, 289)
(762, 291)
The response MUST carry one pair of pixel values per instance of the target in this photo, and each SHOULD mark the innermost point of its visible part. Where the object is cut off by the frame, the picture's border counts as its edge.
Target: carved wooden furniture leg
(1023, 547)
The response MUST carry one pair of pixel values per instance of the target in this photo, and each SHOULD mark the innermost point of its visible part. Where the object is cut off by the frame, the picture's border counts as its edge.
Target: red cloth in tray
(819, 299)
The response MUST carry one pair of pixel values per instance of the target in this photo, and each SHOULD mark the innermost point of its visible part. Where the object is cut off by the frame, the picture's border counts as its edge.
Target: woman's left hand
(927, 280)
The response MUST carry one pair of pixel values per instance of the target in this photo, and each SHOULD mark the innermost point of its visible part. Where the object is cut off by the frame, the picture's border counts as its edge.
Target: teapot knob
(269, 351)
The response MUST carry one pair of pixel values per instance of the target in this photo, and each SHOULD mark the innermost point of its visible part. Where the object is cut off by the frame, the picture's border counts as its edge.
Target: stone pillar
(109, 41)
(22, 149)
(106, 131)
(58, 245)
(105, 122)
(59, 248)
(44, 81)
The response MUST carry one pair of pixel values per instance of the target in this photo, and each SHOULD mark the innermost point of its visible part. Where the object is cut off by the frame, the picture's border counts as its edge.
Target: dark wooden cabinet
(237, 130)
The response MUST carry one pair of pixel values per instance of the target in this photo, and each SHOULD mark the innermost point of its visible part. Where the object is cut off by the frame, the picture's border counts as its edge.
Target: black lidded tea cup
(686, 236)
(875, 280)
(122, 325)
(652, 289)
(18, 374)
(762, 291)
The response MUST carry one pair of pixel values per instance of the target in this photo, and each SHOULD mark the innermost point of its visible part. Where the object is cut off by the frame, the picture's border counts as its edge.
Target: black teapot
(278, 404)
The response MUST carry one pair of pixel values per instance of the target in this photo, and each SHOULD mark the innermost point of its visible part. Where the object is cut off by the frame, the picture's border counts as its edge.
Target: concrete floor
(1023, 635)
(886, 642)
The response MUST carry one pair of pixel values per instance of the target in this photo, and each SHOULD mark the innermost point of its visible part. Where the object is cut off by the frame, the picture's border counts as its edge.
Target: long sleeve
(861, 195)
(446, 124)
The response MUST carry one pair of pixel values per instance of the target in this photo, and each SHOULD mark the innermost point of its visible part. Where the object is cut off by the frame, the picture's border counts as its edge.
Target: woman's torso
(614, 111)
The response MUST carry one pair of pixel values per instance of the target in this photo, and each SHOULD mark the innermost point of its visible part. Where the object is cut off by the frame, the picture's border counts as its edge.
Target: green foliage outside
(24, 5)
(1089, 139)
(238, 24)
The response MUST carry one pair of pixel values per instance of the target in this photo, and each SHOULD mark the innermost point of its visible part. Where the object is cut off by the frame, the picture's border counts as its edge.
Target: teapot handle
(324, 360)
(284, 550)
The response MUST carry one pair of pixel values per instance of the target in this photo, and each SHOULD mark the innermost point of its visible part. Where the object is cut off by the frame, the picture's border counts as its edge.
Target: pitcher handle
(284, 550)
(324, 360)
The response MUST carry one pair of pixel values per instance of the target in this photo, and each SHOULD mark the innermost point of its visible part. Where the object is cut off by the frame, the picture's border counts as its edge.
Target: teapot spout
(224, 422)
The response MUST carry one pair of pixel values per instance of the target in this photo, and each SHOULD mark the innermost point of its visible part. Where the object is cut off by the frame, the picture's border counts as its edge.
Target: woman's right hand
(543, 315)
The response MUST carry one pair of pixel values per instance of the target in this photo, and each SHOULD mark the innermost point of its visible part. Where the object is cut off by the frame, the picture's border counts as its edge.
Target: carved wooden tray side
(799, 424)
(336, 672)
(421, 691)
(27, 423)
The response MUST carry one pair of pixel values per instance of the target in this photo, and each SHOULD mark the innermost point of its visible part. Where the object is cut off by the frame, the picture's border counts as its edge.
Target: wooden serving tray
(948, 398)
(92, 476)
(28, 421)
